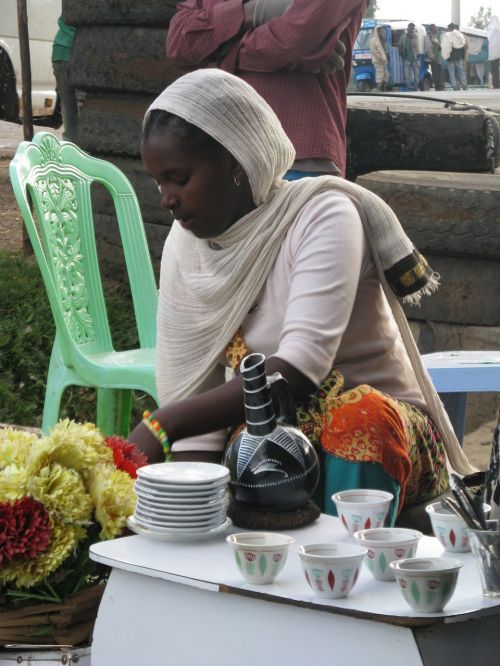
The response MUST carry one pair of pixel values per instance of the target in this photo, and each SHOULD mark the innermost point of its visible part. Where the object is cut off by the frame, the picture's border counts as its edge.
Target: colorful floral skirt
(366, 439)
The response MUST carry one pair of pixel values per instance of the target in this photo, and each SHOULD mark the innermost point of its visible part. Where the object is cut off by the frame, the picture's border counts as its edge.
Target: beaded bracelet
(155, 427)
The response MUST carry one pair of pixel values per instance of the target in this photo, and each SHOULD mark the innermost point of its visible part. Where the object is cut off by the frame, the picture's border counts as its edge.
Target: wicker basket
(70, 622)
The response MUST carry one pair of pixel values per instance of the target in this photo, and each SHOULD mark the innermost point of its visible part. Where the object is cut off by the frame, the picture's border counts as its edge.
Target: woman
(299, 271)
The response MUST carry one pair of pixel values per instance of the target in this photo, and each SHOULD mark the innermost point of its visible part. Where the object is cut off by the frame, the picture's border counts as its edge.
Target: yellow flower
(13, 483)
(113, 494)
(15, 446)
(63, 494)
(27, 573)
(72, 474)
(73, 445)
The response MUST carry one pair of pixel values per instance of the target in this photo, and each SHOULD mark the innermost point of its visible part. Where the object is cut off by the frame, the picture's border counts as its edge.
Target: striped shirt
(310, 103)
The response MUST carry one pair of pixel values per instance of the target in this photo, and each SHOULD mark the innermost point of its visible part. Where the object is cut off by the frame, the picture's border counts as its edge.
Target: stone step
(464, 296)
(444, 213)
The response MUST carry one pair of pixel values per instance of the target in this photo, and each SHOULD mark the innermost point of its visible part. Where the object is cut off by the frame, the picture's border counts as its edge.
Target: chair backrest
(58, 176)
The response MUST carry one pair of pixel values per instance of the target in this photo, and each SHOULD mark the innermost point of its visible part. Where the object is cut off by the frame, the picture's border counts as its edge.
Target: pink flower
(126, 455)
(25, 529)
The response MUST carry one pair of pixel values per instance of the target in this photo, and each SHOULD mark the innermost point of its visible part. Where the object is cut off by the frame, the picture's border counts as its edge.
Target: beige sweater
(322, 306)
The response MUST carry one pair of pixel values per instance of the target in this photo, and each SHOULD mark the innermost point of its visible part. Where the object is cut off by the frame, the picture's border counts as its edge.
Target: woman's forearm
(218, 408)
(222, 406)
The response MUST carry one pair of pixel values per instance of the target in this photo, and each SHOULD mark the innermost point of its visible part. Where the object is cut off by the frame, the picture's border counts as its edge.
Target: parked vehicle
(364, 71)
(42, 27)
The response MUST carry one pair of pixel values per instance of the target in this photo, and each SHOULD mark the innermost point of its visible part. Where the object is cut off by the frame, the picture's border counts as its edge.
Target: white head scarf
(205, 294)
(227, 108)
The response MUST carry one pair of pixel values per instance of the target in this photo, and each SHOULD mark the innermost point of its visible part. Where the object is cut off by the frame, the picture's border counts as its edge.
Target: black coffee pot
(272, 464)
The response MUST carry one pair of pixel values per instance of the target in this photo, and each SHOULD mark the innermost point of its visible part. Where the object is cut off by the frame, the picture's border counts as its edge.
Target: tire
(364, 86)
(55, 120)
(9, 103)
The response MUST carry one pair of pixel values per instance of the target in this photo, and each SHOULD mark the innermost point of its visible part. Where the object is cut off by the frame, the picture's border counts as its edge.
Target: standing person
(453, 50)
(61, 54)
(284, 60)
(408, 50)
(494, 50)
(379, 58)
(305, 272)
(432, 50)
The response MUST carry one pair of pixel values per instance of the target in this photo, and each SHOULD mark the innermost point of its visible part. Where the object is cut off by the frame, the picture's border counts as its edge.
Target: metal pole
(24, 48)
(455, 12)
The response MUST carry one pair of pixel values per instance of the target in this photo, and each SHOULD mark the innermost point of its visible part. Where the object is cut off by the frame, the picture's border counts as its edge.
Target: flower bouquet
(58, 495)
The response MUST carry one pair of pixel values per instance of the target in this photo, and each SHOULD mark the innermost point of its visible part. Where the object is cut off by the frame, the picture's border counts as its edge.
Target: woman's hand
(148, 444)
(144, 439)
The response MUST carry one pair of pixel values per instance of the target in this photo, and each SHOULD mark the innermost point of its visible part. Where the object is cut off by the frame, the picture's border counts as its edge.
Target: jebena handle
(278, 385)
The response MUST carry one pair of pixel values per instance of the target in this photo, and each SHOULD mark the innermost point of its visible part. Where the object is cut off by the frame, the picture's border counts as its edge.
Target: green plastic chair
(56, 176)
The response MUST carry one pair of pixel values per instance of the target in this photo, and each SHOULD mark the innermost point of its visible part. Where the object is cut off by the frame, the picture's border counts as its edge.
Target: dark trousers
(437, 75)
(494, 69)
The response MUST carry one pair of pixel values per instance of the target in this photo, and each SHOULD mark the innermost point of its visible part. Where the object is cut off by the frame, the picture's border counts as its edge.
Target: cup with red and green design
(427, 583)
(260, 556)
(331, 569)
(385, 545)
(362, 509)
(451, 530)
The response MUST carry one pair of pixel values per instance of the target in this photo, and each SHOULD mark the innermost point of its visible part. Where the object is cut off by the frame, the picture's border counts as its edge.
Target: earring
(236, 179)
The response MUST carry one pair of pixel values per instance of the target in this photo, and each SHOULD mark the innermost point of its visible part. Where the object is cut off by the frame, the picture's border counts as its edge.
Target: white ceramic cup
(385, 545)
(427, 583)
(331, 569)
(260, 556)
(362, 509)
(450, 529)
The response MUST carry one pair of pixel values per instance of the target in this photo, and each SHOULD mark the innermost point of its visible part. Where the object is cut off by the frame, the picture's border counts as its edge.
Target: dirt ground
(11, 223)
(476, 444)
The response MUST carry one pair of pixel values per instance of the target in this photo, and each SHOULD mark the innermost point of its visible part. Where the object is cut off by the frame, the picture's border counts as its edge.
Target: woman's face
(199, 189)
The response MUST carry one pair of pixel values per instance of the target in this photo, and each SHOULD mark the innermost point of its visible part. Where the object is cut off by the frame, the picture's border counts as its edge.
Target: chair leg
(52, 404)
(59, 376)
(113, 411)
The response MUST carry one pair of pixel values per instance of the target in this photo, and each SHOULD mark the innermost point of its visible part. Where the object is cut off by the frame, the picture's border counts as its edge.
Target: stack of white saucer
(182, 501)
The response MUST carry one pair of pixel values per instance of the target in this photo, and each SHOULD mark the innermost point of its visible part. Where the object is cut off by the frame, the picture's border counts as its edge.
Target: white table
(186, 604)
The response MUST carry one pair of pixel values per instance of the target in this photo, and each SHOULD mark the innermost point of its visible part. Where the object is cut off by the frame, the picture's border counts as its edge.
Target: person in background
(453, 50)
(284, 54)
(479, 62)
(432, 50)
(61, 54)
(306, 272)
(408, 50)
(379, 58)
(494, 50)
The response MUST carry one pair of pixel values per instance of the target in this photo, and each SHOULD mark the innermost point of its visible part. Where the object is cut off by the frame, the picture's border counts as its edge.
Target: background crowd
(444, 52)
